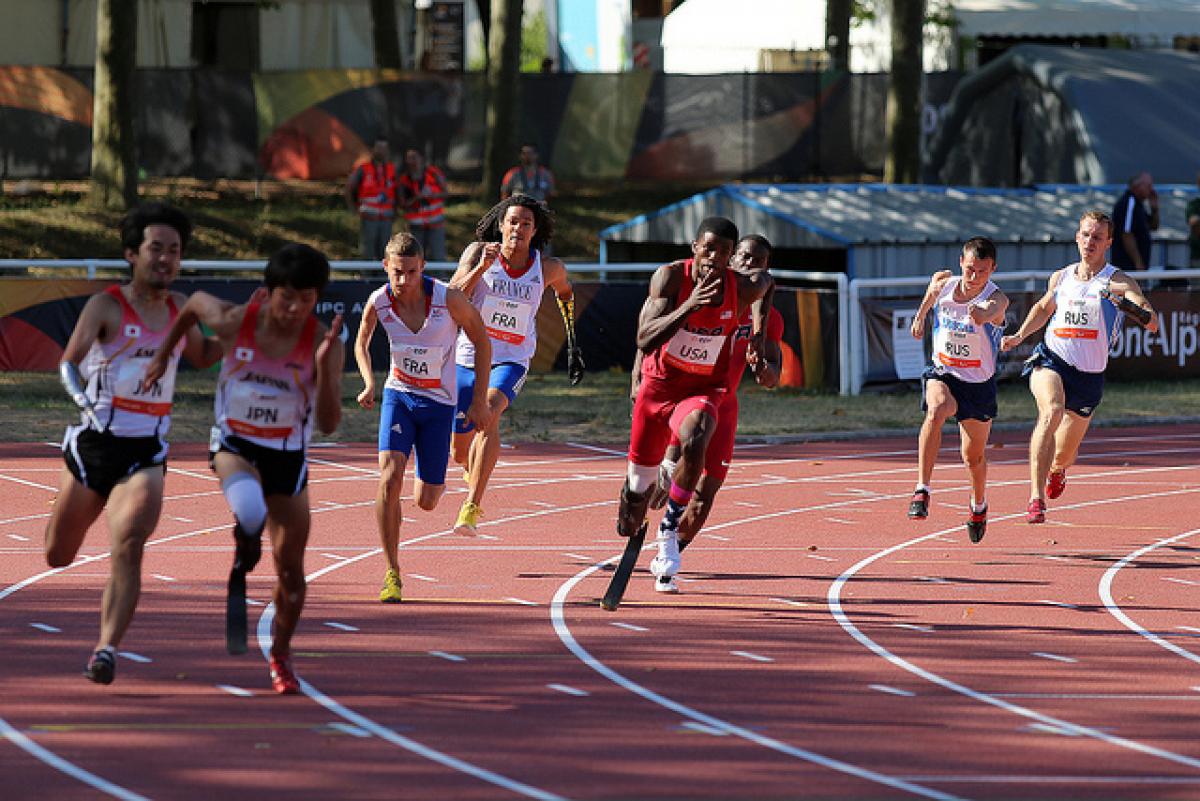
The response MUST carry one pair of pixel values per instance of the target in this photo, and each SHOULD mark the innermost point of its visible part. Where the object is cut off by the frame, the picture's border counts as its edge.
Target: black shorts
(975, 401)
(100, 460)
(1081, 391)
(282, 472)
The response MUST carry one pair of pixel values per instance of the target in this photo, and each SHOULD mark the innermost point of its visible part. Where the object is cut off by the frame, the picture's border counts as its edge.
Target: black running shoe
(918, 507)
(977, 525)
(101, 667)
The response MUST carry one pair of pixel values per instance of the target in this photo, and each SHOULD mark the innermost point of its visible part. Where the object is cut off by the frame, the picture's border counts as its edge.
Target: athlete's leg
(695, 432)
(698, 508)
(133, 509)
(940, 406)
(75, 509)
(288, 525)
(1068, 438)
(1047, 388)
(387, 504)
(485, 449)
(974, 434)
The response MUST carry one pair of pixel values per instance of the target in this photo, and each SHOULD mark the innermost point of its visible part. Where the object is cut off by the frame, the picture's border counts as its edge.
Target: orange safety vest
(377, 194)
(419, 211)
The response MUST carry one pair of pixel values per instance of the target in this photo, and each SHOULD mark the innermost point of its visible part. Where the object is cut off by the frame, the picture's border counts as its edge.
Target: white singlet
(1084, 325)
(422, 361)
(508, 305)
(961, 347)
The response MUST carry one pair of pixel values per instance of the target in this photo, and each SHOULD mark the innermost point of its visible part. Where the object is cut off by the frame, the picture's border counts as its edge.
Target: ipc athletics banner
(1137, 355)
(38, 315)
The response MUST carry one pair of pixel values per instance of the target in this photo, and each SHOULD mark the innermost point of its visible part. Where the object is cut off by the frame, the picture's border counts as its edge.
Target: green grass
(234, 220)
(35, 409)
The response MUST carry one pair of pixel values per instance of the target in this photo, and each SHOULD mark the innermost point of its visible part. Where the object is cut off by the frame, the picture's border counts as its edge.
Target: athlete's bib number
(956, 351)
(506, 320)
(694, 353)
(1080, 319)
(259, 411)
(132, 394)
(418, 366)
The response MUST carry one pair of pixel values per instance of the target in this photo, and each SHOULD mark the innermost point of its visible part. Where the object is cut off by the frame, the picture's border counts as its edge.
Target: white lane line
(240, 692)
(333, 624)
(161, 577)
(420, 577)
(703, 728)
(1060, 604)
(833, 596)
(1181, 581)
(33, 484)
(192, 474)
(1044, 779)
(522, 602)
(629, 626)
(46, 627)
(748, 504)
(933, 579)
(178, 519)
(843, 522)
(1189, 628)
(569, 690)
(58, 763)
(253, 602)
(332, 555)
(132, 657)
(1054, 657)
(543, 504)
(789, 602)
(346, 728)
(752, 656)
(1049, 729)
(1115, 610)
(19, 538)
(487, 536)
(558, 618)
(913, 626)
(883, 688)
(449, 657)
(819, 557)
(577, 556)
(716, 537)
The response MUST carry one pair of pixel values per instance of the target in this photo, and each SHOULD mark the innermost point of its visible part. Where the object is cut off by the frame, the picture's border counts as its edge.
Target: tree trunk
(903, 164)
(114, 183)
(837, 34)
(386, 34)
(504, 61)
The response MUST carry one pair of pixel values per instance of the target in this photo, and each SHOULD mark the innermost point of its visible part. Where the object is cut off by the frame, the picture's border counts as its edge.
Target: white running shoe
(666, 584)
(666, 562)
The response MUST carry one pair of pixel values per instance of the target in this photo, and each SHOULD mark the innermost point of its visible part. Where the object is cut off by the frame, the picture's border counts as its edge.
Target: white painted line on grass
(751, 656)
(883, 688)
(449, 657)
(575, 691)
(333, 624)
(240, 692)
(46, 627)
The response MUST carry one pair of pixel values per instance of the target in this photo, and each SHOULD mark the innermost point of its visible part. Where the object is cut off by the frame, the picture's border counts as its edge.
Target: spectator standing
(1132, 224)
(371, 194)
(528, 178)
(425, 189)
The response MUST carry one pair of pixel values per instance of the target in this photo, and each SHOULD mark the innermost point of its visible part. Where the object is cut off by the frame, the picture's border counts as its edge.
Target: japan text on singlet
(961, 347)
(422, 361)
(263, 399)
(114, 372)
(508, 302)
(698, 353)
(741, 343)
(1084, 325)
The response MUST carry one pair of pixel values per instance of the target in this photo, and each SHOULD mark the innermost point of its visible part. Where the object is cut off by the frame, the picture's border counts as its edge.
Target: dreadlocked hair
(488, 229)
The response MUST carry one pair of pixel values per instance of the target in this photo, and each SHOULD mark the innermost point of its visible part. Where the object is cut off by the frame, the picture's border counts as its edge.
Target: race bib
(418, 366)
(132, 394)
(255, 410)
(694, 353)
(1080, 319)
(506, 320)
(957, 351)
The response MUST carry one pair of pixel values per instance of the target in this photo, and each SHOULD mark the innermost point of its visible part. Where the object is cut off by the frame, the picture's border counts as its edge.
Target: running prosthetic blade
(235, 613)
(620, 580)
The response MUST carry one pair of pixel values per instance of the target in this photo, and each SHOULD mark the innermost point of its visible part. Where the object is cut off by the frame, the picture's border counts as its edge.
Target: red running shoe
(1036, 513)
(282, 678)
(1056, 482)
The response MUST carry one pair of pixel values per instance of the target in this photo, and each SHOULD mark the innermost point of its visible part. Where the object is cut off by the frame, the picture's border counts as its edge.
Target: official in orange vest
(424, 202)
(371, 194)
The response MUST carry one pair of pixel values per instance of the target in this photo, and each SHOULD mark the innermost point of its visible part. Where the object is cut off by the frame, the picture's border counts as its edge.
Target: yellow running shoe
(468, 519)
(390, 594)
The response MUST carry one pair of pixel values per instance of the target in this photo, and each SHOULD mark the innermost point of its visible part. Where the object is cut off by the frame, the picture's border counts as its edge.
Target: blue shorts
(975, 401)
(409, 421)
(1082, 390)
(508, 377)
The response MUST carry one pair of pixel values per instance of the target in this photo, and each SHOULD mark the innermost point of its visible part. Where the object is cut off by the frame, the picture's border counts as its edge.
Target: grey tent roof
(1043, 114)
(841, 215)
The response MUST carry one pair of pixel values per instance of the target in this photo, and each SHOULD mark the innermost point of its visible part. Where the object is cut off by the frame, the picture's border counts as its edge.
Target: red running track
(823, 645)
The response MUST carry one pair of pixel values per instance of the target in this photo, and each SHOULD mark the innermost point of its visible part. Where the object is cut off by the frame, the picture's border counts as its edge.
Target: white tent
(1150, 21)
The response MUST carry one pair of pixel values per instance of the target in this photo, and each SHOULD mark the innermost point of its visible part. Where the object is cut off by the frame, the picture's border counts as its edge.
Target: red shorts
(660, 409)
(720, 447)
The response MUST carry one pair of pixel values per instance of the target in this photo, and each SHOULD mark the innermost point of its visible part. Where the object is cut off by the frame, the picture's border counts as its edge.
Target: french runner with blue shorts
(968, 320)
(422, 318)
(1066, 372)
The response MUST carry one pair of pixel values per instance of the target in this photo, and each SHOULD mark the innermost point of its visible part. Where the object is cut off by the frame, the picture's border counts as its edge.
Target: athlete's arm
(555, 273)
(362, 356)
(330, 359)
(936, 283)
(474, 261)
(660, 318)
(201, 351)
(468, 319)
(1039, 314)
(991, 310)
(221, 316)
(1121, 287)
(101, 316)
